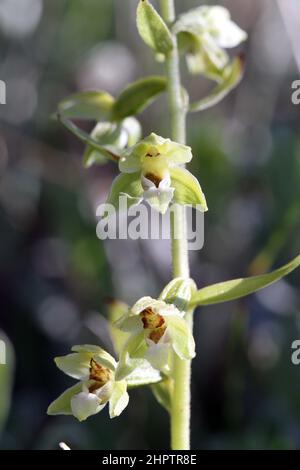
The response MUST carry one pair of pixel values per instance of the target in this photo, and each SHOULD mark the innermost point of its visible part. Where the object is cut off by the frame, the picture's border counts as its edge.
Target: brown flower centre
(154, 178)
(157, 334)
(154, 322)
(100, 374)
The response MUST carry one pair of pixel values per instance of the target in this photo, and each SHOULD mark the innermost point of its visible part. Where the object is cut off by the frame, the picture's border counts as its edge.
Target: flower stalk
(181, 400)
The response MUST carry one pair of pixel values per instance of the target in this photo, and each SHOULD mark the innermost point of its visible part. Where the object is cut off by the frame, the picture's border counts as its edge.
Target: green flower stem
(181, 401)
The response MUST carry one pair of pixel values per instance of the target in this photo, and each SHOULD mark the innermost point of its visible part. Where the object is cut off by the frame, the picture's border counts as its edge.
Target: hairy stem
(181, 401)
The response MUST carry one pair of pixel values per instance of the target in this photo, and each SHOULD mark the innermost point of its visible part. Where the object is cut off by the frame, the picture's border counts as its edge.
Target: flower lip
(99, 373)
(151, 320)
(157, 334)
(153, 178)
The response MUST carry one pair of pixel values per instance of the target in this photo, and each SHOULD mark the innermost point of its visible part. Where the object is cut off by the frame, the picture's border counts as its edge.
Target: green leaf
(178, 292)
(107, 151)
(6, 377)
(62, 405)
(163, 393)
(87, 105)
(142, 374)
(153, 29)
(187, 188)
(137, 96)
(232, 76)
(125, 184)
(119, 399)
(237, 288)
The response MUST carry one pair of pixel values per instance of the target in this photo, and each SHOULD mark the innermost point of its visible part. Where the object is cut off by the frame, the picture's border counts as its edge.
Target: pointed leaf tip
(237, 288)
(152, 28)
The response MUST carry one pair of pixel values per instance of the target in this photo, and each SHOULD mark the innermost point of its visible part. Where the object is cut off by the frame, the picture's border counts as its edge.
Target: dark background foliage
(55, 275)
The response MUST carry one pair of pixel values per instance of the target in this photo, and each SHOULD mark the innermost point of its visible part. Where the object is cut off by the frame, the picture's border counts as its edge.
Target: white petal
(159, 199)
(133, 130)
(165, 183)
(158, 355)
(85, 404)
(141, 304)
(216, 16)
(146, 183)
(231, 35)
(170, 310)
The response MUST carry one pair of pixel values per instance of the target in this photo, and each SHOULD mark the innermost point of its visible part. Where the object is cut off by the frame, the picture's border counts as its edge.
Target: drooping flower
(205, 32)
(112, 136)
(150, 170)
(95, 370)
(157, 328)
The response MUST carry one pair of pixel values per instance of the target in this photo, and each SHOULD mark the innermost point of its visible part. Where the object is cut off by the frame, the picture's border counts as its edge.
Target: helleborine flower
(156, 329)
(95, 369)
(113, 136)
(206, 32)
(150, 170)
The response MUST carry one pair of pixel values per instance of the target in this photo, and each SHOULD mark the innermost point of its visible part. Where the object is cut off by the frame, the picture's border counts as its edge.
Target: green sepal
(62, 404)
(182, 338)
(135, 348)
(237, 288)
(119, 399)
(187, 189)
(178, 292)
(128, 184)
(231, 77)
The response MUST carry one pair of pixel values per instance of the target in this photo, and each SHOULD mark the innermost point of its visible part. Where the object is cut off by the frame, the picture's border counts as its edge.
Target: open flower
(157, 328)
(95, 370)
(150, 170)
(205, 32)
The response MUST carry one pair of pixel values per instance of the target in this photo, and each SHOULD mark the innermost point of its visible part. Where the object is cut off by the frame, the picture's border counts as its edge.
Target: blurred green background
(56, 276)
